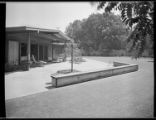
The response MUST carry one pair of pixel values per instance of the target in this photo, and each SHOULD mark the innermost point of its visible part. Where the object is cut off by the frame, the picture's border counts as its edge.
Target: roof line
(29, 28)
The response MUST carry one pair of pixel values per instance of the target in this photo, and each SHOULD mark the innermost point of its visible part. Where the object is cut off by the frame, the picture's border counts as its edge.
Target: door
(13, 56)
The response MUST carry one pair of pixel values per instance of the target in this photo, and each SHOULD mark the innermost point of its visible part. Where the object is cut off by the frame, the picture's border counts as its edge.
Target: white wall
(13, 55)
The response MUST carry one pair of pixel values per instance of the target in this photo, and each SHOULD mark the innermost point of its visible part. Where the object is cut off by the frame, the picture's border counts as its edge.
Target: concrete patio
(38, 79)
(123, 96)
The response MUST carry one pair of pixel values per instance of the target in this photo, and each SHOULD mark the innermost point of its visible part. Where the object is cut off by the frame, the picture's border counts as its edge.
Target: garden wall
(78, 77)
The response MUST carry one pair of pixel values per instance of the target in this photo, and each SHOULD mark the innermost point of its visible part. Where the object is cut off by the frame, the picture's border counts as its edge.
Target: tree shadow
(49, 83)
(150, 61)
(50, 87)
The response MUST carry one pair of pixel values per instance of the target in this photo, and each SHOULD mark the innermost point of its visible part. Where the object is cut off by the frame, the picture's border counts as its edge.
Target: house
(23, 42)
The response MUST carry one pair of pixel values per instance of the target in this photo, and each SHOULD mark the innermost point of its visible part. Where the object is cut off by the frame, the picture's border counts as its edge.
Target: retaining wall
(78, 77)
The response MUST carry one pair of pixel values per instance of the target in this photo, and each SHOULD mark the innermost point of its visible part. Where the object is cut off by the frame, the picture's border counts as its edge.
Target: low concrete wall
(78, 77)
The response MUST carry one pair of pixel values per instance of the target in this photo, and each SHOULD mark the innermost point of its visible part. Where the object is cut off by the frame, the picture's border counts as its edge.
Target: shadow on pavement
(150, 61)
(48, 83)
(50, 87)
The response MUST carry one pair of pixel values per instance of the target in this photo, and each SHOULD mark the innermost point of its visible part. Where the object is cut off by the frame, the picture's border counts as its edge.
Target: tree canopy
(98, 34)
(138, 16)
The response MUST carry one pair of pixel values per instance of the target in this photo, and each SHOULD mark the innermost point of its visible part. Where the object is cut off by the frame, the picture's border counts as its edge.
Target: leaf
(101, 5)
(127, 21)
(124, 19)
(110, 6)
(129, 10)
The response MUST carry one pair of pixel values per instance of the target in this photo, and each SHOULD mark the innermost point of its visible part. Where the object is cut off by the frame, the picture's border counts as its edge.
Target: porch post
(43, 52)
(19, 52)
(28, 50)
(52, 50)
(71, 57)
(38, 52)
(65, 56)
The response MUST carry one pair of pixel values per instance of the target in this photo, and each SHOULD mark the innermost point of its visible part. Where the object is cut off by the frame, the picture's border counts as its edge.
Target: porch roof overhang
(48, 34)
(26, 28)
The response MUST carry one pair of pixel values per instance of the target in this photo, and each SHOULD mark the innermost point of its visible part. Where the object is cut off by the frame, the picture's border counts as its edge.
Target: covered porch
(44, 44)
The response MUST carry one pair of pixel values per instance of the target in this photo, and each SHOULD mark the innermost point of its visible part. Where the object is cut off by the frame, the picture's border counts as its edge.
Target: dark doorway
(45, 53)
(41, 52)
(34, 50)
(23, 49)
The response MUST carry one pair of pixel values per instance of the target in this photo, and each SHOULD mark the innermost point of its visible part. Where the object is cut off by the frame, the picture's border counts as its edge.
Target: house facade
(23, 42)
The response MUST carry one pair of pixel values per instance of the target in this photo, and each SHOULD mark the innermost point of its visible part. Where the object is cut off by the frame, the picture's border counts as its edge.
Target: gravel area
(123, 96)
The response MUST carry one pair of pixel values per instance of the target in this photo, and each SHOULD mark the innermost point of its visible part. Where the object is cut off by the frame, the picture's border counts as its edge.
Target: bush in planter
(25, 66)
(9, 68)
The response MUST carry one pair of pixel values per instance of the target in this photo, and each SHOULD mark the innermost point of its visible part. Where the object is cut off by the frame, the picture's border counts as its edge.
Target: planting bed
(59, 80)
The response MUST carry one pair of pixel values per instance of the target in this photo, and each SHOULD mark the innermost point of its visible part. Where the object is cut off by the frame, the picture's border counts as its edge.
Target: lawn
(125, 96)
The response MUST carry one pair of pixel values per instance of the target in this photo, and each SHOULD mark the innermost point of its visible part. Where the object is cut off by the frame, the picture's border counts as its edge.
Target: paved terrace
(126, 95)
(38, 79)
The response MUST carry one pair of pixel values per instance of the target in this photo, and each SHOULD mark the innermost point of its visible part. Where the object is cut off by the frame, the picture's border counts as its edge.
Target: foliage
(11, 68)
(98, 33)
(137, 15)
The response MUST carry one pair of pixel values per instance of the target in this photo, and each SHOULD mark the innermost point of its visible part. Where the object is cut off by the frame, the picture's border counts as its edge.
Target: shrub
(11, 68)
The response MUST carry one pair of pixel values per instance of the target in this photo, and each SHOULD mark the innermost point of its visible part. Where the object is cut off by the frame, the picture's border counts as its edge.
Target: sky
(50, 15)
